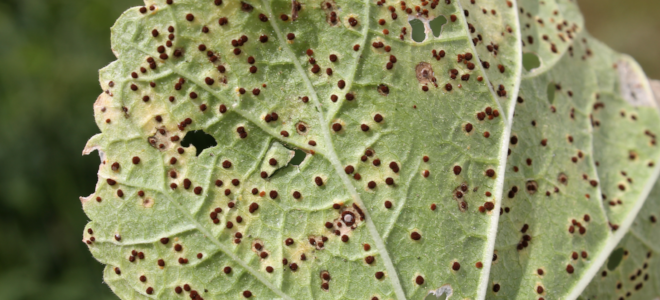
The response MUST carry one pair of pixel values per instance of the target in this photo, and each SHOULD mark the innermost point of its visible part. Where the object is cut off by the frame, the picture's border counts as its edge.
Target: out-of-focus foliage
(50, 54)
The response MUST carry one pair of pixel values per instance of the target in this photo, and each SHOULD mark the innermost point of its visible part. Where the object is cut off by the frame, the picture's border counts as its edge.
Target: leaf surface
(400, 155)
(631, 271)
(582, 161)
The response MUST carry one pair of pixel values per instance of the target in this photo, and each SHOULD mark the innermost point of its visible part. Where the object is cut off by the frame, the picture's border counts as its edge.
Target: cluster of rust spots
(582, 230)
(565, 32)
(459, 195)
(195, 295)
(637, 277)
(347, 221)
(525, 239)
(91, 238)
(325, 280)
(490, 46)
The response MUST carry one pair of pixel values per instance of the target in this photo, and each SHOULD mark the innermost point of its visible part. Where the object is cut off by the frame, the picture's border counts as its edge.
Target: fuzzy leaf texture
(350, 160)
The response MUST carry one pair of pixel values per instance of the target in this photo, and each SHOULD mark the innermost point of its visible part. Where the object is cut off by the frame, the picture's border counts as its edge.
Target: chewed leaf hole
(298, 157)
(200, 139)
(551, 92)
(418, 32)
(615, 259)
(531, 61)
(436, 25)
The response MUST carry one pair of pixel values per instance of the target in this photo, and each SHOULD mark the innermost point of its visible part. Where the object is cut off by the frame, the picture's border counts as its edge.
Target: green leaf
(425, 150)
(631, 269)
(634, 274)
(412, 152)
(578, 135)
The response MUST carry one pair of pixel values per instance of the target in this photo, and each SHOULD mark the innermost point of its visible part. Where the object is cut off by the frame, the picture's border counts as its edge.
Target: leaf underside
(418, 172)
(635, 275)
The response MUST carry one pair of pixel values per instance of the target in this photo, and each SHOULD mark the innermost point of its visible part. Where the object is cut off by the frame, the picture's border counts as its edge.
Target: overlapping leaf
(582, 159)
(632, 271)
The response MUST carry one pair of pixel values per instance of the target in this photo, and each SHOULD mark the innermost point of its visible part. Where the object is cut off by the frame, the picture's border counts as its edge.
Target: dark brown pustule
(570, 269)
(379, 275)
(457, 170)
(349, 169)
(456, 266)
(369, 259)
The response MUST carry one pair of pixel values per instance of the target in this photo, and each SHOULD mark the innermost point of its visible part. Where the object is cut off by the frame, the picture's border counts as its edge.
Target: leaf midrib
(332, 155)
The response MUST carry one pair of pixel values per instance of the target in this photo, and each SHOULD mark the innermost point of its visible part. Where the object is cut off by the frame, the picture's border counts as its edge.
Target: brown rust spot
(459, 195)
(159, 139)
(424, 73)
(531, 187)
(302, 128)
(330, 7)
(148, 202)
(295, 8)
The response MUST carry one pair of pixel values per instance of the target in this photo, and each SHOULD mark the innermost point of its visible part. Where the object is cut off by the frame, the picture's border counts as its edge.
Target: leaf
(632, 268)
(263, 75)
(633, 273)
(577, 136)
(499, 53)
(404, 175)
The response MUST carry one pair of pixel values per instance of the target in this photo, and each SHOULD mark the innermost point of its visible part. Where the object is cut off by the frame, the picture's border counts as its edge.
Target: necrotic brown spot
(424, 72)
(457, 170)
(456, 266)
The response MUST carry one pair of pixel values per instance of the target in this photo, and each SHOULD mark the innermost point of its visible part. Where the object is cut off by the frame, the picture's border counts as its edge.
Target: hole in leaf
(615, 259)
(298, 157)
(551, 92)
(531, 61)
(200, 139)
(418, 34)
(442, 293)
(436, 25)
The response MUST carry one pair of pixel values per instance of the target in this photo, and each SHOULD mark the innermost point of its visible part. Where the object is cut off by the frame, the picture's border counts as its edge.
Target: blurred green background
(50, 52)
